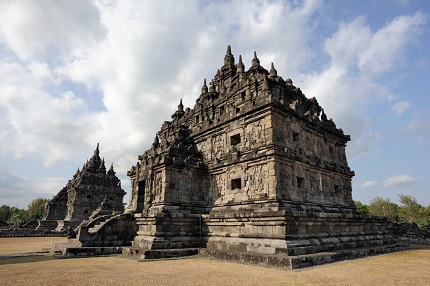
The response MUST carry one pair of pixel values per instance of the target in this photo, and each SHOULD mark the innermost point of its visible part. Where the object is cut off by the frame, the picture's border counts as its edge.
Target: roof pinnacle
(97, 151)
(111, 171)
(240, 65)
(228, 59)
(204, 87)
(273, 71)
(255, 60)
(180, 106)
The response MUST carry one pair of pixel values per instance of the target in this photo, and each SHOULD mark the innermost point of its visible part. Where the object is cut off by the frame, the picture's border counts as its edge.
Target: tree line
(35, 210)
(409, 211)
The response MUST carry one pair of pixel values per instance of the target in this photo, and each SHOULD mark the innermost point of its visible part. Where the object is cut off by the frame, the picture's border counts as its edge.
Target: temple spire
(240, 65)
(323, 115)
(111, 171)
(273, 71)
(102, 168)
(180, 112)
(255, 60)
(211, 87)
(204, 87)
(228, 59)
(97, 151)
(180, 106)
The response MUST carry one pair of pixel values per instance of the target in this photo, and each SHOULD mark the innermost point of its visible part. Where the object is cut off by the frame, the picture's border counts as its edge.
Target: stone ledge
(300, 261)
(69, 250)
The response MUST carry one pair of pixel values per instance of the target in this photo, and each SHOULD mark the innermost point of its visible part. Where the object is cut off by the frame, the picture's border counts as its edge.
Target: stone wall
(410, 232)
(56, 208)
(28, 233)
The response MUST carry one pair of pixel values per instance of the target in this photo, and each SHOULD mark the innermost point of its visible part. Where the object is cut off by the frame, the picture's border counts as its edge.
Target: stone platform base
(259, 259)
(299, 261)
(143, 255)
(71, 250)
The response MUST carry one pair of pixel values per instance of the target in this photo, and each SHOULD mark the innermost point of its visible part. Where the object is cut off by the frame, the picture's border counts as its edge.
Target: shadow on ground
(26, 259)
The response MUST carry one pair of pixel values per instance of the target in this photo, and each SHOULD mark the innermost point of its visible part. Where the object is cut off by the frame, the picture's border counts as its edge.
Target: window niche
(300, 182)
(235, 139)
(296, 136)
(236, 184)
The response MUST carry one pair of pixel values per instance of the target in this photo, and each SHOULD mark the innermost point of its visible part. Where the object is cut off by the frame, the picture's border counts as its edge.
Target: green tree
(425, 214)
(383, 207)
(36, 208)
(362, 209)
(18, 215)
(5, 213)
(410, 211)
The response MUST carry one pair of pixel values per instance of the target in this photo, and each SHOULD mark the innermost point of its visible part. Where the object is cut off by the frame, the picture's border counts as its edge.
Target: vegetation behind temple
(34, 211)
(409, 211)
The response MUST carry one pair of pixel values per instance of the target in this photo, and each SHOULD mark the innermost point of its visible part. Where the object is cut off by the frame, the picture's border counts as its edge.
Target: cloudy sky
(77, 73)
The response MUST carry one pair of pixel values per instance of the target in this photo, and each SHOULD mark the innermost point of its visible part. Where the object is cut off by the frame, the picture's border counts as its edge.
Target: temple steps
(99, 224)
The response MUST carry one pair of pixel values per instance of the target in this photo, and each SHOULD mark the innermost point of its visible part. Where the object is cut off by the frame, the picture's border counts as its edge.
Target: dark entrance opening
(140, 196)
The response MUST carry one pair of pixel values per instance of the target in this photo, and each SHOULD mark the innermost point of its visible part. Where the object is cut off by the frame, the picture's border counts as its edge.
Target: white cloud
(356, 45)
(39, 28)
(345, 87)
(35, 121)
(403, 180)
(400, 107)
(416, 126)
(387, 43)
(19, 191)
(370, 184)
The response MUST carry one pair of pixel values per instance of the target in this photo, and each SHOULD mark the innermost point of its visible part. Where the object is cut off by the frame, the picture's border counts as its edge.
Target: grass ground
(27, 244)
(401, 268)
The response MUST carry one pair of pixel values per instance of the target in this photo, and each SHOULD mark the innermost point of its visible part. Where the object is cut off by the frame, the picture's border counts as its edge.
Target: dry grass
(27, 244)
(402, 268)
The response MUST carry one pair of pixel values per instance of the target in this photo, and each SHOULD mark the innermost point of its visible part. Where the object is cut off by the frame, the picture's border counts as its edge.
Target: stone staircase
(47, 225)
(98, 224)
(102, 236)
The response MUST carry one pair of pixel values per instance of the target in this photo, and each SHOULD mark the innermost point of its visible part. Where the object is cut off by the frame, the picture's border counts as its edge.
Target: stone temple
(91, 192)
(255, 173)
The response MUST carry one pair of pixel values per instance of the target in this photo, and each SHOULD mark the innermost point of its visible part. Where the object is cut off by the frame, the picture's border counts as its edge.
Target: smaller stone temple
(91, 192)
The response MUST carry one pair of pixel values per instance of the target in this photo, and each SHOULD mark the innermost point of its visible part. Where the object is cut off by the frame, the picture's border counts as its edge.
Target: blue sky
(77, 73)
